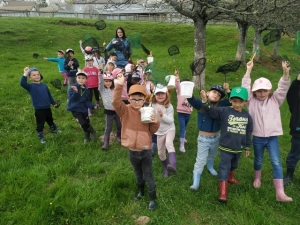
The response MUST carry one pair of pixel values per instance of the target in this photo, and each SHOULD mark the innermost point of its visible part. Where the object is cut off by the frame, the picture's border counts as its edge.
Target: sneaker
(56, 131)
(152, 205)
(42, 140)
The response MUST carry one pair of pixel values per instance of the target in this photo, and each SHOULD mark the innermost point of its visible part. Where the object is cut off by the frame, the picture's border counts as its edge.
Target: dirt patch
(72, 23)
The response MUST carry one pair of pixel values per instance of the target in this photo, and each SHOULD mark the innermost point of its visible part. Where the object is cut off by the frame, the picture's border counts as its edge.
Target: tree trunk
(199, 50)
(240, 53)
(275, 50)
(256, 44)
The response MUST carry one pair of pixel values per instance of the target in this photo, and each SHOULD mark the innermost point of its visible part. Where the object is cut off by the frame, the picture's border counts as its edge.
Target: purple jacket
(266, 114)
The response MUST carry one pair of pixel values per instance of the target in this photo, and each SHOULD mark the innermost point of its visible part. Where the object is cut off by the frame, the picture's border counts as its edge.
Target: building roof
(19, 3)
(52, 8)
(17, 8)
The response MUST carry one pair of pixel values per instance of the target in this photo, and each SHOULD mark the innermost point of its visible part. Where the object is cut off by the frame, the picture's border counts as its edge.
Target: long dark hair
(121, 28)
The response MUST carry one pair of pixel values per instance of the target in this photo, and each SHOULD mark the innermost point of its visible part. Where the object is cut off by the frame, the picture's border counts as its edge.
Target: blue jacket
(60, 63)
(122, 49)
(205, 122)
(79, 102)
(71, 70)
(41, 97)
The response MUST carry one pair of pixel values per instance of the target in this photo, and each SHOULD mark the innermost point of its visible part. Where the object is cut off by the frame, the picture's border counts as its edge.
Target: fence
(169, 17)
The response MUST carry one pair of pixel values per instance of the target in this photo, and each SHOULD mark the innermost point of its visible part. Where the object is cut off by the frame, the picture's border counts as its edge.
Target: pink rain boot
(280, 195)
(257, 182)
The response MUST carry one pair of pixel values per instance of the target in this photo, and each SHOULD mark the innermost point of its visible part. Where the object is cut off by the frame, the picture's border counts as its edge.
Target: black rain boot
(53, 129)
(289, 175)
(140, 192)
(152, 203)
(92, 133)
(41, 137)
(86, 137)
(106, 142)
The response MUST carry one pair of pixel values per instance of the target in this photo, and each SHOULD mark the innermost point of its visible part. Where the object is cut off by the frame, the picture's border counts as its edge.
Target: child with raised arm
(264, 108)
(60, 63)
(293, 100)
(164, 110)
(78, 104)
(41, 99)
(137, 136)
(106, 87)
(209, 132)
(92, 80)
(236, 128)
(184, 110)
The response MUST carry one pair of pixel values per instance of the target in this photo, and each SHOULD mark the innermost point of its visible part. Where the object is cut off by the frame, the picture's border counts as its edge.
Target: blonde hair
(166, 102)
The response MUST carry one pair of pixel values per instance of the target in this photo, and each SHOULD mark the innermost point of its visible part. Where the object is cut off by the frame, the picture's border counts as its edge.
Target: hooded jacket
(293, 100)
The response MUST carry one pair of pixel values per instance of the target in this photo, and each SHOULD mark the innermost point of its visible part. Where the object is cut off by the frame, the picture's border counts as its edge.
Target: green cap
(239, 92)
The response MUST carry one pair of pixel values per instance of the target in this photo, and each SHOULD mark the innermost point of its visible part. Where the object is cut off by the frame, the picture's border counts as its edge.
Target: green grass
(67, 182)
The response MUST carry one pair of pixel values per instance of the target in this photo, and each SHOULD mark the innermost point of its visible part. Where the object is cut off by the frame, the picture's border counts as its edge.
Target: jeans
(207, 150)
(294, 154)
(183, 119)
(141, 162)
(229, 161)
(271, 144)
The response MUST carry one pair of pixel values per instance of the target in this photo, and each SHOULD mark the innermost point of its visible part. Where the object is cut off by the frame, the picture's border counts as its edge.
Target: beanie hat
(136, 88)
(261, 83)
(34, 69)
(116, 71)
(239, 92)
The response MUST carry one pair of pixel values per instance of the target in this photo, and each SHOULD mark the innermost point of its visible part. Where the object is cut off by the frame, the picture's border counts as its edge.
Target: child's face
(136, 101)
(35, 76)
(213, 96)
(261, 94)
(160, 97)
(81, 79)
(60, 55)
(89, 63)
(107, 83)
(113, 58)
(237, 104)
(110, 67)
(71, 54)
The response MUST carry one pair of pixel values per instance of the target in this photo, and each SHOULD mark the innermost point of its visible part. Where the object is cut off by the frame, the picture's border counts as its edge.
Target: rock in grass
(142, 220)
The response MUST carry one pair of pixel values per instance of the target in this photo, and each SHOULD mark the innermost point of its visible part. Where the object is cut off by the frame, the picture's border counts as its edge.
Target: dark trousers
(141, 162)
(109, 122)
(294, 154)
(229, 161)
(42, 116)
(96, 93)
(83, 119)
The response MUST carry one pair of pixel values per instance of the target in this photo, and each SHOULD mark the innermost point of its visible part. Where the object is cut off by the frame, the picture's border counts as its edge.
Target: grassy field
(67, 182)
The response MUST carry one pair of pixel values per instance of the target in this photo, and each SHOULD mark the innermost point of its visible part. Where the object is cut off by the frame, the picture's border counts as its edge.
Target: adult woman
(121, 47)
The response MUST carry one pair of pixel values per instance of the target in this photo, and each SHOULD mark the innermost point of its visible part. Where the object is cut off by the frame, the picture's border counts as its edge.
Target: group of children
(222, 122)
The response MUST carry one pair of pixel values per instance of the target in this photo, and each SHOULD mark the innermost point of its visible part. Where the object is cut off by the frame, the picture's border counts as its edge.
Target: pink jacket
(266, 114)
(183, 106)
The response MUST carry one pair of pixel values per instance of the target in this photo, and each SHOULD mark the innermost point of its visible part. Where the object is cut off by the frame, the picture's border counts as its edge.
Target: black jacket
(293, 99)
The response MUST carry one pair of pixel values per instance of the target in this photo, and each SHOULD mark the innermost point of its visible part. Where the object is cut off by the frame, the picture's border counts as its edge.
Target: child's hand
(226, 87)
(56, 105)
(250, 65)
(120, 79)
(26, 70)
(104, 44)
(115, 42)
(203, 96)
(74, 88)
(80, 42)
(154, 118)
(95, 107)
(150, 55)
(286, 67)
(247, 153)
(176, 72)
(160, 112)
(45, 58)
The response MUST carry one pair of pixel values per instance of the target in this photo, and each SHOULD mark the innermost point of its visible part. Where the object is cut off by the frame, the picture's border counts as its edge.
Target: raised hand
(74, 88)
(26, 70)
(203, 96)
(226, 87)
(159, 111)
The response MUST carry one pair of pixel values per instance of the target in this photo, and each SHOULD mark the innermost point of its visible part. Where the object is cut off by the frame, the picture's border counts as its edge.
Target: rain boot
(92, 133)
(119, 135)
(41, 137)
(86, 137)
(172, 165)
(153, 148)
(53, 129)
(106, 142)
(257, 179)
(289, 175)
(152, 203)
(231, 178)
(181, 148)
(210, 167)
(140, 192)
(165, 165)
(223, 191)
(196, 181)
(280, 195)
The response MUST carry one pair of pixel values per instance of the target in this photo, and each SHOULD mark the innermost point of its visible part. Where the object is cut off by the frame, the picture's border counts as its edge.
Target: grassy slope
(66, 182)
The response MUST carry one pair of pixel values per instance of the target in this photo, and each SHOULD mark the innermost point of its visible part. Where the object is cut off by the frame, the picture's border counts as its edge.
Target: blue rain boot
(196, 181)
(210, 167)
